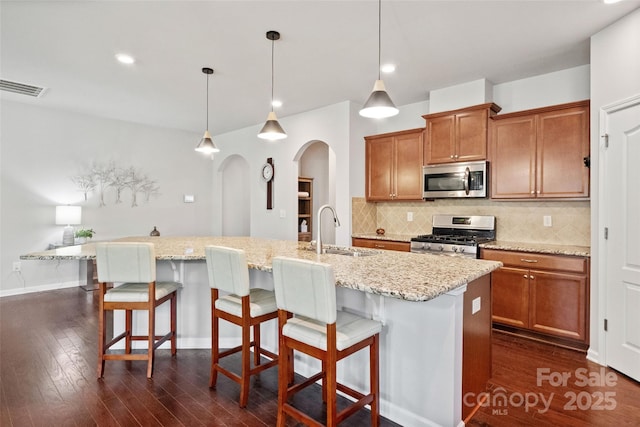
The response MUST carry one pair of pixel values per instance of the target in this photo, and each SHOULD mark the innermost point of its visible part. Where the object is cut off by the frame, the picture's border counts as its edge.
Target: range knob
(461, 249)
(427, 246)
(441, 248)
(455, 249)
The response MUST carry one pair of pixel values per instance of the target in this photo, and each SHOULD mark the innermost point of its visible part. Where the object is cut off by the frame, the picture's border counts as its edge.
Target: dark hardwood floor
(48, 367)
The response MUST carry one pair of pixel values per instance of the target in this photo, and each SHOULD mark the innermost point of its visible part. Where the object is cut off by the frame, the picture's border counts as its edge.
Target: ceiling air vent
(21, 88)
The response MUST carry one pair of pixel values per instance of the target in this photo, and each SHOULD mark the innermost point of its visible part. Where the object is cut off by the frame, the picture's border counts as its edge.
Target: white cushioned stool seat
(261, 302)
(350, 329)
(139, 292)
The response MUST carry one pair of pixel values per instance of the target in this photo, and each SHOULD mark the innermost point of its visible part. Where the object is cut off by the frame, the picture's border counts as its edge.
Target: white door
(621, 193)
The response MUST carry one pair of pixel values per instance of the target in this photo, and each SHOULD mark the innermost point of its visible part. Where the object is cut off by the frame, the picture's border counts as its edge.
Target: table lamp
(68, 215)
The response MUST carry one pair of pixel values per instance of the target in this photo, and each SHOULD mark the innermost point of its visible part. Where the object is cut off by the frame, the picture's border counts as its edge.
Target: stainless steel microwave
(451, 180)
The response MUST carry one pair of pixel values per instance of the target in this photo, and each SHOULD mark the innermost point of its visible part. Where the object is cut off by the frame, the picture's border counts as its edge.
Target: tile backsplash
(515, 221)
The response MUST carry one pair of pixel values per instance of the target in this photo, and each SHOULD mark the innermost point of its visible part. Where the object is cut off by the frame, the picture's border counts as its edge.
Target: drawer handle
(379, 246)
(528, 260)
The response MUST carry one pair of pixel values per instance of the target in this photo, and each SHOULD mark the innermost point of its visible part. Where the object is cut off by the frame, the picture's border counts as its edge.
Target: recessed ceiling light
(611, 1)
(388, 68)
(275, 103)
(125, 59)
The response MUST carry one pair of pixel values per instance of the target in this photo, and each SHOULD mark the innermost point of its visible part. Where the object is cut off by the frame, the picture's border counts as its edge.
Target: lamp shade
(207, 145)
(379, 104)
(68, 215)
(272, 129)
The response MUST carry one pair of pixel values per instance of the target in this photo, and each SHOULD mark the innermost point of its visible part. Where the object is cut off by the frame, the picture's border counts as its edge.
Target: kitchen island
(419, 298)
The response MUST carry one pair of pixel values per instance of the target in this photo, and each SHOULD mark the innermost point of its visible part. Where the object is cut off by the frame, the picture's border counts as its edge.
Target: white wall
(615, 75)
(559, 87)
(330, 125)
(43, 148)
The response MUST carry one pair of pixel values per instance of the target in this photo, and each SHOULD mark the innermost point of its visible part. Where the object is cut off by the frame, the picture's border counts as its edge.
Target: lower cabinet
(381, 244)
(547, 295)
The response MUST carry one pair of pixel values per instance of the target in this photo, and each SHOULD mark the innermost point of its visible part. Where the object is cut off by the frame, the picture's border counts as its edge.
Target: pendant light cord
(207, 101)
(272, 42)
(379, 35)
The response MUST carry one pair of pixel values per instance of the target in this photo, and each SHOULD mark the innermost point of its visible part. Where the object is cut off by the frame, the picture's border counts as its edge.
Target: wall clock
(267, 175)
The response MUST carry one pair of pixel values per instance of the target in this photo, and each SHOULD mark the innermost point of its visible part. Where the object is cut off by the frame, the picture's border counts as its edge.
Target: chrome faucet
(319, 236)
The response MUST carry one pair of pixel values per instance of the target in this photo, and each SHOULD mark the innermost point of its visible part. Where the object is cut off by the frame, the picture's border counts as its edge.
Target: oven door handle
(467, 179)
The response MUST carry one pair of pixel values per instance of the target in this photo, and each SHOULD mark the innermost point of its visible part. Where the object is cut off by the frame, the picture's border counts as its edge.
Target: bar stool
(309, 322)
(245, 307)
(135, 265)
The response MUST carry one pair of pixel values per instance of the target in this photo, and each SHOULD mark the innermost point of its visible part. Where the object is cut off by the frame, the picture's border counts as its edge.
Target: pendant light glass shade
(272, 129)
(206, 145)
(379, 104)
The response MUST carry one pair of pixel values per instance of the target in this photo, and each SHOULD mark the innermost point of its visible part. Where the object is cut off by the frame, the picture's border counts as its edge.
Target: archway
(235, 200)
(316, 160)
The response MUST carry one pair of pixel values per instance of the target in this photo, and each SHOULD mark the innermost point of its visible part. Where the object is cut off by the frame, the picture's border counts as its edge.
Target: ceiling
(327, 52)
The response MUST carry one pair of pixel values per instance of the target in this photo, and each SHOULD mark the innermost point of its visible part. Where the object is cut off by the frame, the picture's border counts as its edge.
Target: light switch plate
(189, 198)
(409, 216)
(283, 213)
(546, 220)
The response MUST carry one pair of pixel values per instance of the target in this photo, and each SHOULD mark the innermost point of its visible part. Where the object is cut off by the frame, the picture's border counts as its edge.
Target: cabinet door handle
(528, 260)
(452, 156)
(532, 277)
(525, 276)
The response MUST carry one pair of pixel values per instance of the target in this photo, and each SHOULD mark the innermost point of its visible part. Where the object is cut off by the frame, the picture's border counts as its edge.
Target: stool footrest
(306, 383)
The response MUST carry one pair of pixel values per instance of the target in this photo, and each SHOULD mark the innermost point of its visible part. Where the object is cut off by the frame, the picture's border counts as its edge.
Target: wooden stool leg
(246, 360)
(284, 362)
(151, 337)
(256, 344)
(215, 351)
(374, 380)
(331, 361)
(324, 381)
(128, 325)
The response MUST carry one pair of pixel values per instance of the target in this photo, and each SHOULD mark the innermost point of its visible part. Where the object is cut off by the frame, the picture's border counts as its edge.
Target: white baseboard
(594, 356)
(41, 288)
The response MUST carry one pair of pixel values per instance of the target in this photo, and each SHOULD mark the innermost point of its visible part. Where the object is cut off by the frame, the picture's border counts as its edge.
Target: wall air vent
(21, 88)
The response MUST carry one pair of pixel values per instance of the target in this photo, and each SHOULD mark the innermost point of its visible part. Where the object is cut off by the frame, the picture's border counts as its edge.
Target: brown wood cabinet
(544, 294)
(391, 245)
(540, 153)
(393, 166)
(305, 208)
(459, 135)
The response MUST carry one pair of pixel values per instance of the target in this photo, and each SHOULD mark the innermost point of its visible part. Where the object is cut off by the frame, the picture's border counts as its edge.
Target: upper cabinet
(541, 153)
(393, 166)
(459, 135)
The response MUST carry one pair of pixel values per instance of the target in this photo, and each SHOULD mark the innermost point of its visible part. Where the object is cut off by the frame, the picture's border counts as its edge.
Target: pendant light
(379, 104)
(206, 145)
(272, 129)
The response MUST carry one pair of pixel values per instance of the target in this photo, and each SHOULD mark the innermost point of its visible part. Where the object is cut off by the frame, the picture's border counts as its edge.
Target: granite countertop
(542, 248)
(403, 275)
(391, 237)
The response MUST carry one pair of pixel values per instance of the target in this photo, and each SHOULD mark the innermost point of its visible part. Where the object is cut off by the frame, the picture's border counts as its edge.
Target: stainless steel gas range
(456, 235)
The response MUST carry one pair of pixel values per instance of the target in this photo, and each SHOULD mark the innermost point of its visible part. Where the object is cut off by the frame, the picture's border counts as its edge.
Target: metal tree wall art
(102, 177)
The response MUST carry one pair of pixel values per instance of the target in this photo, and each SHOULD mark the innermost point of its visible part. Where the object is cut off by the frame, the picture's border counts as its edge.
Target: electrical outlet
(409, 216)
(546, 220)
(17, 266)
(283, 213)
(476, 305)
